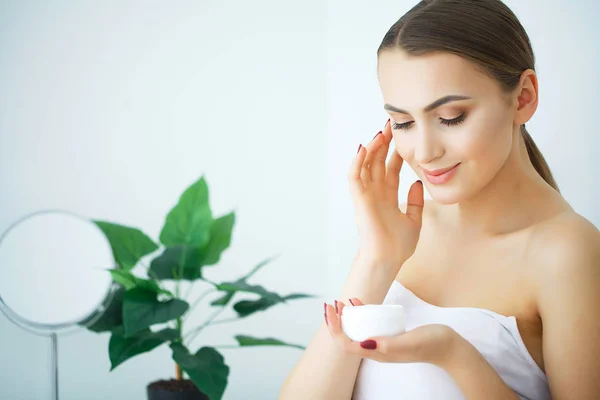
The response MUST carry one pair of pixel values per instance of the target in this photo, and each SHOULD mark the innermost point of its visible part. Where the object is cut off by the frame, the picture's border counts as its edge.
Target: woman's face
(475, 132)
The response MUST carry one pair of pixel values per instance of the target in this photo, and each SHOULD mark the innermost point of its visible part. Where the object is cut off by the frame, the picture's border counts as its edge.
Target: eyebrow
(432, 106)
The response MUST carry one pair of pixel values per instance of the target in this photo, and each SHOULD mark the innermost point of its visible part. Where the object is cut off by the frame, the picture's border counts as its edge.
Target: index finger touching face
(387, 130)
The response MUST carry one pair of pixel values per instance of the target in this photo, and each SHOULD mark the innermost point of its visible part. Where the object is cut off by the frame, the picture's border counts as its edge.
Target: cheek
(477, 145)
(488, 145)
(403, 148)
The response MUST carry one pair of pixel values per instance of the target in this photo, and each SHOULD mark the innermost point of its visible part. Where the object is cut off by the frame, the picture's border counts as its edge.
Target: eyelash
(448, 122)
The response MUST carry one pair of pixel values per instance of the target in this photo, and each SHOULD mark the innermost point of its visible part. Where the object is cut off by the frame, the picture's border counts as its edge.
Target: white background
(112, 109)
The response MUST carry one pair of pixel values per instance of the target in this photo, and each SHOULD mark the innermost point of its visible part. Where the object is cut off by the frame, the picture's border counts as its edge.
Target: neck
(508, 203)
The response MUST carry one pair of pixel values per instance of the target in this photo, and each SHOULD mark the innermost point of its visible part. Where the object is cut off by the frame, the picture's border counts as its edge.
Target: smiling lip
(443, 175)
(437, 172)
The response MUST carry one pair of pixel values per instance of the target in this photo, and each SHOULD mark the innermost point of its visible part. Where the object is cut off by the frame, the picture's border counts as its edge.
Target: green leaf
(130, 281)
(223, 301)
(247, 307)
(206, 368)
(252, 341)
(259, 266)
(141, 309)
(241, 286)
(220, 239)
(112, 317)
(128, 245)
(189, 222)
(121, 348)
(167, 265)
(297, 296)
(125, 278)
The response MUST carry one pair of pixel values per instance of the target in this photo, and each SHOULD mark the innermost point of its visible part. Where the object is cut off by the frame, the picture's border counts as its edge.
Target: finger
(414, 205)
(355, 301)
(398, 348)
(392, 175)
(340, 338)
(387, 129)
(354, 175)
(380, 153)
(365, 172)
(335, 328)
(372, 148)
(340, 307)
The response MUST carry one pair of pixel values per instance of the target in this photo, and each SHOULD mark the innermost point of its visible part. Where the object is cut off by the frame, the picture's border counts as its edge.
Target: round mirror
(54, 275)
(53, 270)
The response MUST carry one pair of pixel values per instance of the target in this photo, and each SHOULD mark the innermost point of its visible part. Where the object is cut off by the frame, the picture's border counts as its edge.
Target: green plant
(191, 240)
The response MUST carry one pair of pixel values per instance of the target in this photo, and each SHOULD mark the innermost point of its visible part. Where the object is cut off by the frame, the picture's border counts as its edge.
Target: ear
(526, 97)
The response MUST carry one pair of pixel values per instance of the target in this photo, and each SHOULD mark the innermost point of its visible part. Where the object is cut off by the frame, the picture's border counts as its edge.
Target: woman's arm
(323, 371)
(568, 297)
(475, 377)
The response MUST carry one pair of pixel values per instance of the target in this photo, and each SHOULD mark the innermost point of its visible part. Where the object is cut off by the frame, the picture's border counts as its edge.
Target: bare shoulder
(564, 248)
(567, 234)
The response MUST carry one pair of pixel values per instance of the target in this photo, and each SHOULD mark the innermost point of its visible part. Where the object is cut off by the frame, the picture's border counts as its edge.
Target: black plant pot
(174, 390)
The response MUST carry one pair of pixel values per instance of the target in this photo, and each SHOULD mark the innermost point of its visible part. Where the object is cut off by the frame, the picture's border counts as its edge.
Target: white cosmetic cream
(363, 322)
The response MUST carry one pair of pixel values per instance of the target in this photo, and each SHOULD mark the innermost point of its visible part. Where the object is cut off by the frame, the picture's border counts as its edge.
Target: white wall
(112, 110)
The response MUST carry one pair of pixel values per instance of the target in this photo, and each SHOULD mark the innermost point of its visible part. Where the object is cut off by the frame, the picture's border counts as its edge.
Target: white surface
(53, 268)
(369, 321)
(112, 109)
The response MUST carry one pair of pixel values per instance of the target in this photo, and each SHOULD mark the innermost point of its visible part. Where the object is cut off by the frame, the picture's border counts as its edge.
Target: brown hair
(485, 32)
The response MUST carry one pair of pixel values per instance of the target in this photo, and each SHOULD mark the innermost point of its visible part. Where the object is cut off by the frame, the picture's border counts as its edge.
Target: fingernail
(378, 133)
(326, 322)
(350, 301)
(368, 344)
(325, 307)
(388, 121)
(359, 147)
(336, 307)
(420, 181)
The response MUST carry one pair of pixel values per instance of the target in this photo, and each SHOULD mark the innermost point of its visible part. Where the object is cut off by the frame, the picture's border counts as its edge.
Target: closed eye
(448, 122)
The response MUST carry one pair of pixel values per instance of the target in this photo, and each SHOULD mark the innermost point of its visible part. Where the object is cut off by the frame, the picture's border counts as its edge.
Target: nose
(428, 146)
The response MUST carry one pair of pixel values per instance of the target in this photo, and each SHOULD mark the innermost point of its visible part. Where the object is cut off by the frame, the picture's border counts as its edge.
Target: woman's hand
(387, 235)
(435, 344)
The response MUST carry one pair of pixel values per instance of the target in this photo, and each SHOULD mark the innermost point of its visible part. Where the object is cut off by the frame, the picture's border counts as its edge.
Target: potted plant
(149, 311)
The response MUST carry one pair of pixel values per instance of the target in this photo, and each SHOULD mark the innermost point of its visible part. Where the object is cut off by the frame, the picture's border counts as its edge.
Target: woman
(497, 274)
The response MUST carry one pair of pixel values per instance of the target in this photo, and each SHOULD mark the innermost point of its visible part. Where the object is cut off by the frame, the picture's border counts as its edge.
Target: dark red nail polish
(325, 307)
(388, 121)
(359, 147)
(350, 301)
(420, 181)
(378, 133)
(368, 344)
(336, 307)
(327, 322)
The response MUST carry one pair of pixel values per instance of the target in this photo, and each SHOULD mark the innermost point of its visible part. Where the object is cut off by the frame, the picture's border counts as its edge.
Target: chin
(446, 194)
(445, 200)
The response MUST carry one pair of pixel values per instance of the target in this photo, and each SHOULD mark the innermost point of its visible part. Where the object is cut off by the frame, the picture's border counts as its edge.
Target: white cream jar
(363, 322)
